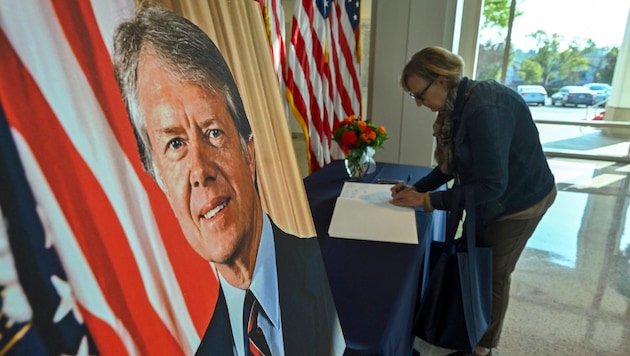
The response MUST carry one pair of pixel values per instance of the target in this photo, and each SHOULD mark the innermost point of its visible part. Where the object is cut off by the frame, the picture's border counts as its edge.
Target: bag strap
(456, 213)
(463, 93)
(452, 223)
(471, 221)
(470, 88)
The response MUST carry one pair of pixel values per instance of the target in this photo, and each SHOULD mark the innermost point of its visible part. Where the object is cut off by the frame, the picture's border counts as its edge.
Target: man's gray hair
(186, 52)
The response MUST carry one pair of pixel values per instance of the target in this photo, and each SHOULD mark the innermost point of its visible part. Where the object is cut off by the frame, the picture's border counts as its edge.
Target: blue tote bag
(455, 297)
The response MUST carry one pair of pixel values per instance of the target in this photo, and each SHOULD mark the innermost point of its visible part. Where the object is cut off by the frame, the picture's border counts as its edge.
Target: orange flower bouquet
(358, 140)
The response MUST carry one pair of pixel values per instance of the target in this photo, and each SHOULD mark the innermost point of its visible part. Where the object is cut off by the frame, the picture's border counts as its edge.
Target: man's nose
(201, 166)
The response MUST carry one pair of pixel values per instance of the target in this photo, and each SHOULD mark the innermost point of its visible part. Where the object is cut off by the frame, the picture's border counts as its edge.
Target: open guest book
(363, 212)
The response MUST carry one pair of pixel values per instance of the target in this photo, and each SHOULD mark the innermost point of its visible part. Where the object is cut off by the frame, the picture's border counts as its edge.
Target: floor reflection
(555, 240)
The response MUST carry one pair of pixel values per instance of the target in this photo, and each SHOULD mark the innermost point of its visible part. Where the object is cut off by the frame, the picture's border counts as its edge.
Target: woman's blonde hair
(432, 62)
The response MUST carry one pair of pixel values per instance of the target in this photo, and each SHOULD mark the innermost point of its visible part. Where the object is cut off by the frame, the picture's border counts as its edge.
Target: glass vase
(358, 164)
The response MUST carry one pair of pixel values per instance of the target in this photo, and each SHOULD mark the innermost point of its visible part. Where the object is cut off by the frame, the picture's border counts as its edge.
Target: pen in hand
(401, 186)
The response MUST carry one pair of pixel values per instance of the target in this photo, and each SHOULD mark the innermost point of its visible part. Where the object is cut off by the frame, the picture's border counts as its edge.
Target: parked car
(599, 116)
(573, 95)
(533, 94)
(601, 90)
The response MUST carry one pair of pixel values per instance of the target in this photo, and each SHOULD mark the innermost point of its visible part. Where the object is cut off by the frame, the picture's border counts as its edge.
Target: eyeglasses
(420, 95)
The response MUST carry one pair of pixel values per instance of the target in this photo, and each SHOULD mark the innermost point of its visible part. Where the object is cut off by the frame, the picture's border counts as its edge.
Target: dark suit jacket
(306, 305)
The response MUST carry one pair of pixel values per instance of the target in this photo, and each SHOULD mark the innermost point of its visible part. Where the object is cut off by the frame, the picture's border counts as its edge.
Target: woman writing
(487, 140)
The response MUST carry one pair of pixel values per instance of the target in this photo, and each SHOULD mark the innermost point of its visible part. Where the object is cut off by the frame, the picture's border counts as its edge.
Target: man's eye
(214, 133)
(175, 144)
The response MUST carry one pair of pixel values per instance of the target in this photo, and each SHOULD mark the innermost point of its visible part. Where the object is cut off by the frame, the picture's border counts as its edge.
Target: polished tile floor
(571, 288)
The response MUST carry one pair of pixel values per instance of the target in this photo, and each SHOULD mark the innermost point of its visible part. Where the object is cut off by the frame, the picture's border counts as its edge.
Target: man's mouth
(212, 213)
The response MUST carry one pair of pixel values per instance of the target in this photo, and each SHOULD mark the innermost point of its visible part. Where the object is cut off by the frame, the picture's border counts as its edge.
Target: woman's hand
(399, 187)
(404, 195)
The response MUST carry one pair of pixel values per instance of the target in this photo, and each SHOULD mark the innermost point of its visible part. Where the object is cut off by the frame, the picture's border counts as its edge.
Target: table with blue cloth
(374, 284)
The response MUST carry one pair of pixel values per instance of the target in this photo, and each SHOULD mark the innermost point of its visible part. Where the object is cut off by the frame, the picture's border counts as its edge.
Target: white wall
(400, 28)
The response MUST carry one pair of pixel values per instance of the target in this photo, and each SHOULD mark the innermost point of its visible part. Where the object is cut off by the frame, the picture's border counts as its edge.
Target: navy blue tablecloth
(374, 284)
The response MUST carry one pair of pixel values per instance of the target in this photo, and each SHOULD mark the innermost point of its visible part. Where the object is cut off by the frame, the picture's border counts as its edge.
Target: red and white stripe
(140, 287)
(347, 58)
(323, 77)
(273, 18)
(273, 15)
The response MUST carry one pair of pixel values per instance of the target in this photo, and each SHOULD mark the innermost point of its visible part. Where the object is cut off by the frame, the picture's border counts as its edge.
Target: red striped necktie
(255, 342)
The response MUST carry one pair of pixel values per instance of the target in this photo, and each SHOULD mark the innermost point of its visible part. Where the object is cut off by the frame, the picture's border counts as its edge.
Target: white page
(363, 212)
(376, 193)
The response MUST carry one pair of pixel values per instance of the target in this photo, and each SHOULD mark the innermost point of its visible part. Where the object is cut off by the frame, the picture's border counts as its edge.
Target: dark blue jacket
(497, 150)
(307, 308)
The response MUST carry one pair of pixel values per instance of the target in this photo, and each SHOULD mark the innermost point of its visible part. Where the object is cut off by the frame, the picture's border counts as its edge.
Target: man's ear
(251, 151)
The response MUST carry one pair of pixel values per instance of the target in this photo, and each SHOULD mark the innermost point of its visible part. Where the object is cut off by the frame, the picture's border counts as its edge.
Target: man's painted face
(208, 180)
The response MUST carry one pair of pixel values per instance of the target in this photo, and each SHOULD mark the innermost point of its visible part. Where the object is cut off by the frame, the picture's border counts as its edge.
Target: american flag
(99, 261)
(323, 72)
(273, 16)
